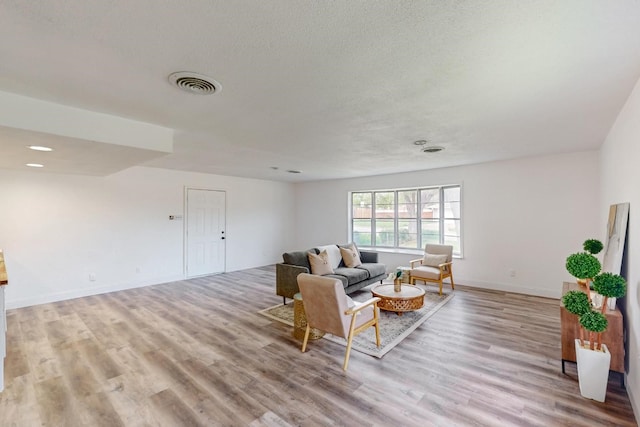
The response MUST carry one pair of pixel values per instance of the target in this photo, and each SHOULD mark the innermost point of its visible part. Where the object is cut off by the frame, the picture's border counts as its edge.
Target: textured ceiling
(335, 89)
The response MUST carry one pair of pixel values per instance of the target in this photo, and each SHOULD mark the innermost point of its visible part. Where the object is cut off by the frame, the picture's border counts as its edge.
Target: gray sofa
(352, 278)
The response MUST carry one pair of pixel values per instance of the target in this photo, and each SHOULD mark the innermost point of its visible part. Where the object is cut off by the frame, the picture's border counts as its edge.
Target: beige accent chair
(430, 269)
(327, 308)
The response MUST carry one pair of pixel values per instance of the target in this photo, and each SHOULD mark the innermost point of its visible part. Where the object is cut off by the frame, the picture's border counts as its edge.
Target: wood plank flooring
(196, 353)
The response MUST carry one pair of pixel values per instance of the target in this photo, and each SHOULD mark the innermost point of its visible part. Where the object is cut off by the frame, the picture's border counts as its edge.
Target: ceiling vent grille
(195, 83)
(432, 149)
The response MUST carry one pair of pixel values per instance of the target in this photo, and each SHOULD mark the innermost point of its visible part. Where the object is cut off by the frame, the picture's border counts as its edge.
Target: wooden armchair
(327, 308)
(434, 266)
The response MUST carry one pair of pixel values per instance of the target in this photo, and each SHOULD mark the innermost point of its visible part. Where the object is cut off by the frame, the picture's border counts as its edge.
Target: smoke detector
(195, 83)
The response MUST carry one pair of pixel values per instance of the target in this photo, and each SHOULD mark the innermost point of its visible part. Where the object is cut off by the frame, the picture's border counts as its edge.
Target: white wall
(55, 230)
(526, 215)
(620, 158)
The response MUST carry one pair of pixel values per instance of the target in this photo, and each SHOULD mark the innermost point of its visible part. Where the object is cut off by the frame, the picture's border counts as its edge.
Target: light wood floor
(196, 353)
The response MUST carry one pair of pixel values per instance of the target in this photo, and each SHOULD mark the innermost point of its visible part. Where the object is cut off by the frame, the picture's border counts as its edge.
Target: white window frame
(396, 247)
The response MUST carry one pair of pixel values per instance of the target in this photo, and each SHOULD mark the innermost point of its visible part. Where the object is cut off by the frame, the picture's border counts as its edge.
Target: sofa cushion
(334, 254)
(320, 264)
(343, 279)
(299, 258)
(353, 275)
(350, 256)
(434, 260)
(373, 269)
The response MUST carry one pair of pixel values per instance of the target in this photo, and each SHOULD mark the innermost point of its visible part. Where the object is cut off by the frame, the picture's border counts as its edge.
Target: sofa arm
(368, 257)
(287, 279)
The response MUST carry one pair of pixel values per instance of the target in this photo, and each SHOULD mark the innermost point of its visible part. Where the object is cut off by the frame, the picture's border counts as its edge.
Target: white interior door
(205, 232)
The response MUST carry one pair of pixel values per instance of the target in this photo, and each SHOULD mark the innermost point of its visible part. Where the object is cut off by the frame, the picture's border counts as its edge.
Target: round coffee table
(410, 298)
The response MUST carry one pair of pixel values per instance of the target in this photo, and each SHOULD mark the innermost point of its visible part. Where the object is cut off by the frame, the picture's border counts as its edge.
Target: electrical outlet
(92, 277)
(138, 270)
(512, 273)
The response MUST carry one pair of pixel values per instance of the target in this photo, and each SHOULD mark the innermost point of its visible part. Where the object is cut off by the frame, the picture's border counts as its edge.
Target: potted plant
(584, 266)
(592, 356)
(610, 286)
(593, 246)
(577, 302)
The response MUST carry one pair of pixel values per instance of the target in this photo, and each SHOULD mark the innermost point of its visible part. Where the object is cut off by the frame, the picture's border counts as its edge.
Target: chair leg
(377, 325)
(349, 341)
(440, 286)
(453, 286)
(306, 338)
(284, 300)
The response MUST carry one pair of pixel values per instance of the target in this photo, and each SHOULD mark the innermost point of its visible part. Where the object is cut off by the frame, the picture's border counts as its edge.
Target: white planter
(611, 303)
(593, 371)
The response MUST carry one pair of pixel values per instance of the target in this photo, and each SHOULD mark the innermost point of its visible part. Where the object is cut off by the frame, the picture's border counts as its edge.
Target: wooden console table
(613, 337)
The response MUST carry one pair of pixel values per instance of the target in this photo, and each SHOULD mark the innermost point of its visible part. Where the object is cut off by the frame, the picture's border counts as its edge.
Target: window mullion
(373, 219)
(441, 219)
(395, 219)
(419, 217)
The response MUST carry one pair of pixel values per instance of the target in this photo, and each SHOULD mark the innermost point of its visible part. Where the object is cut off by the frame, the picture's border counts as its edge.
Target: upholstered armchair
(328, 309)
(434, 266)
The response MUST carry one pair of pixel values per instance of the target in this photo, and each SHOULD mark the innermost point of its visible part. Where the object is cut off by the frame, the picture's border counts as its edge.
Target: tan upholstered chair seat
(425, 272)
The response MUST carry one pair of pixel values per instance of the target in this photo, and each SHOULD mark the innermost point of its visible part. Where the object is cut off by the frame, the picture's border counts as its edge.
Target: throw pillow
(433, 260)
(333, 255)
(320, 263)
(350, 256)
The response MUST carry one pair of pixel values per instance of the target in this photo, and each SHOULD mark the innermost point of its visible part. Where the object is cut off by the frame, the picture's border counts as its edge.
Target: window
(407, 218)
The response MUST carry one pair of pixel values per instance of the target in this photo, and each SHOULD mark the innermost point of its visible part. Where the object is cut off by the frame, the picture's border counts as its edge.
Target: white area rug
(393, 328)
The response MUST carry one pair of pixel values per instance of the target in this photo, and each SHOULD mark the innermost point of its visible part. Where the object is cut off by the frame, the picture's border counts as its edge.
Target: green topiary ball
(576, 302)
(594, 321)
(593, 246)
(583, 265)
(610, 285)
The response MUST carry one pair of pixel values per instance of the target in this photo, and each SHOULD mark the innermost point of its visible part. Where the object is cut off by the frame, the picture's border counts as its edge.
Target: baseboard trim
(79, 293)
(505, 287)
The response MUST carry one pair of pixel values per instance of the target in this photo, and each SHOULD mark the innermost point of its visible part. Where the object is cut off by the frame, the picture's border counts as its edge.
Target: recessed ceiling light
(40, 148)
(432, 149)
(294, 171)
(195, 83)
(420, 142)
(35, 165)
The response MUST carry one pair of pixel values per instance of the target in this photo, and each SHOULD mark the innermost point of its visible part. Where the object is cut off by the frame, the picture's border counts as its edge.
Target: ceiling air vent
(195, 83)
(432, 149)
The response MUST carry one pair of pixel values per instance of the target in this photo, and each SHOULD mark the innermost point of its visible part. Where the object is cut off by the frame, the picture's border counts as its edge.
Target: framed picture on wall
(616, 235)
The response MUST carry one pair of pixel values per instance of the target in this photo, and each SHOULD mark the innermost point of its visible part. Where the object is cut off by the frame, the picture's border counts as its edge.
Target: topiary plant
(576, 302)
(596, 323)
(592, 246)
(583, 265)
(609, 285)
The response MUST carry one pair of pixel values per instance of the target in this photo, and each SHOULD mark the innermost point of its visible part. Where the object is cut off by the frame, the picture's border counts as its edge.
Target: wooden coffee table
(410, 298)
